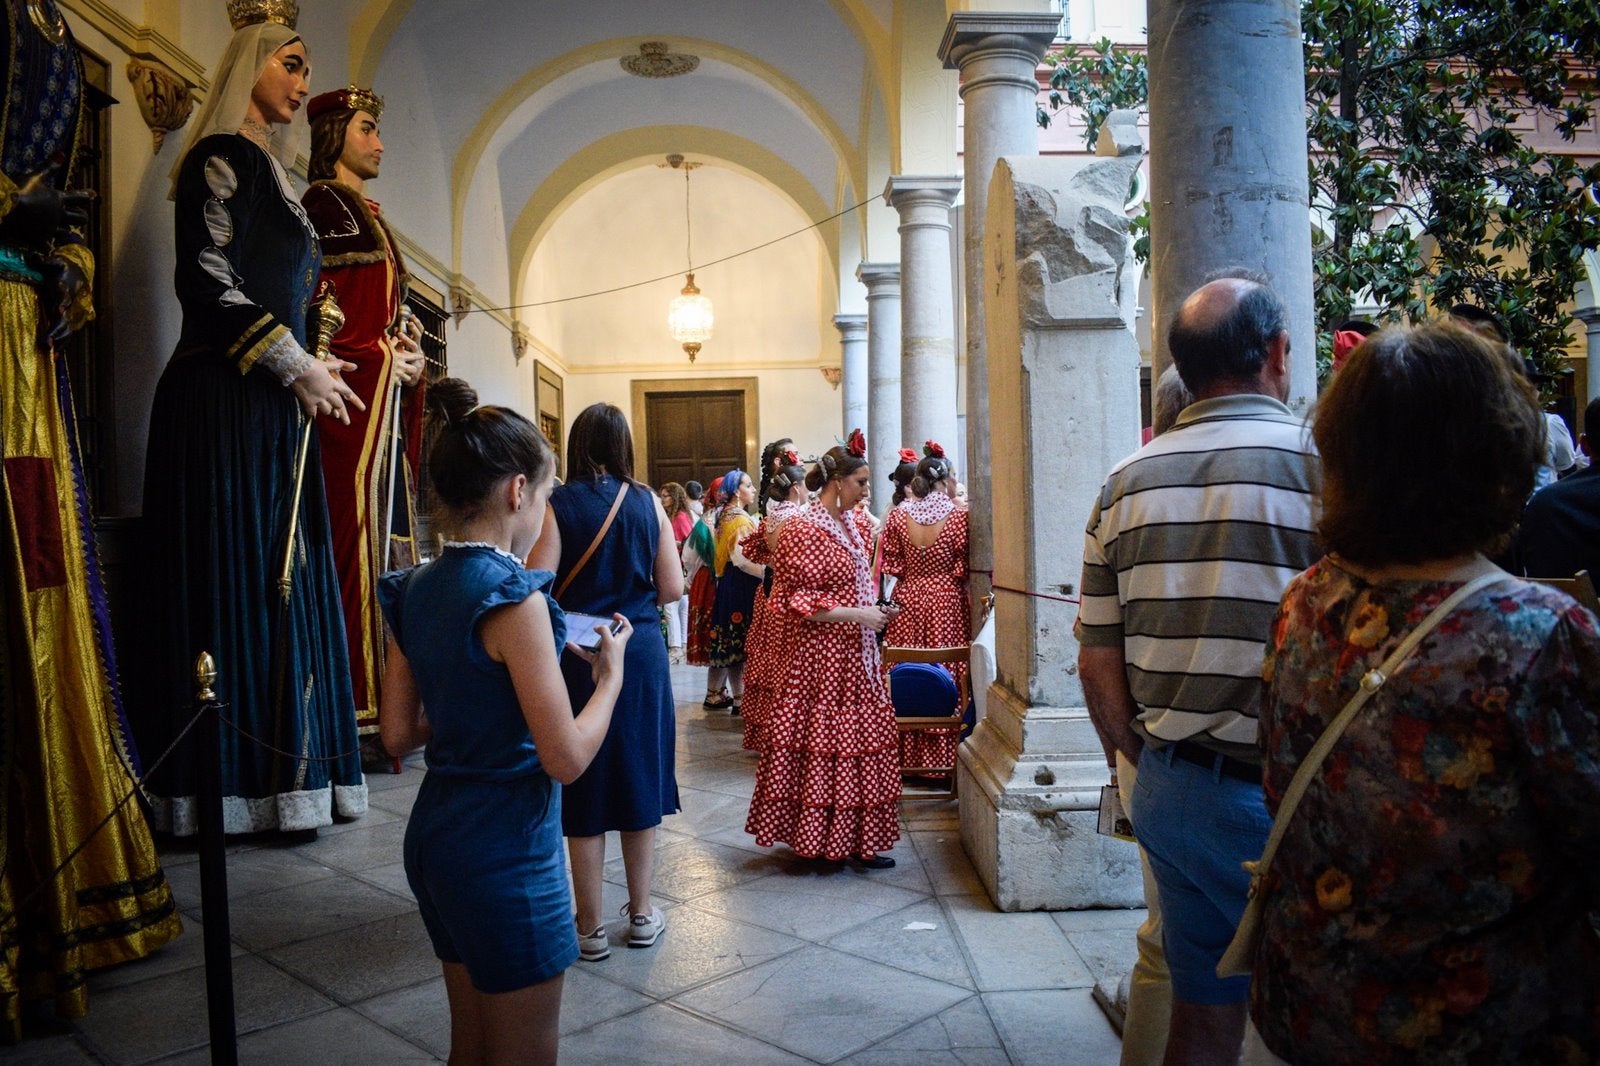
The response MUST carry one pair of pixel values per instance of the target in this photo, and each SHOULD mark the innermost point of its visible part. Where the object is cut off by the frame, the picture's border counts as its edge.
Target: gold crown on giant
(244, 13)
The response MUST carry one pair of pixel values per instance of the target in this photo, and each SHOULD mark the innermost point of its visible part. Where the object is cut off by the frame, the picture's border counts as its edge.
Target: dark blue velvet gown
(219, 480)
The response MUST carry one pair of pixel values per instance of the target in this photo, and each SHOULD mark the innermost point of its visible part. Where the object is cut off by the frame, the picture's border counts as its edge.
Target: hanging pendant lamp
(689, 318)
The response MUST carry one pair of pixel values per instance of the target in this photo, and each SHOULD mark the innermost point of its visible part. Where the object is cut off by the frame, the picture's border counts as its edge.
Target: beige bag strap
(1370, 684)
(616, 505)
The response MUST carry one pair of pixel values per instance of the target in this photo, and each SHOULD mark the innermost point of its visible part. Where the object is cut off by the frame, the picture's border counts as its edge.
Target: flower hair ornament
(791, 457)
(907, 455)
(856, 445)
(931, 448)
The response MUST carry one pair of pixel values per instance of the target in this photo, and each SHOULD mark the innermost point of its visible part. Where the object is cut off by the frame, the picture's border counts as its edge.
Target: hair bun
(451, 400)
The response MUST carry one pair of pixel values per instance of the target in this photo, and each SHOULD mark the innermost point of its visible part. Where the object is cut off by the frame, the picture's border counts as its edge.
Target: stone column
(883, 373)
(1590, 316)
(853, 378)
(1228, 184)
(1064, 392)
(998, 54)
(927, 308)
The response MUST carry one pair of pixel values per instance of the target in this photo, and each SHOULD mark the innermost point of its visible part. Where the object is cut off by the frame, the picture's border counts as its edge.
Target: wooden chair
(955, 720)
(1579, 586)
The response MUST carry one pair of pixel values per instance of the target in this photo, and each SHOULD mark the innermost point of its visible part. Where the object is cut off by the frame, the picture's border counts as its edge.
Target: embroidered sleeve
(214, 217)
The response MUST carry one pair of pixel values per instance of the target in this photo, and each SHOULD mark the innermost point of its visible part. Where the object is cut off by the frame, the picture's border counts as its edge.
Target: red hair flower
(907, 455)
(791, 457)
(857, 444)
(933, 449)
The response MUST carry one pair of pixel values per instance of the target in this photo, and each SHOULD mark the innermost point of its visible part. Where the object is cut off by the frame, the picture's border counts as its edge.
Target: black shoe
(876, 862)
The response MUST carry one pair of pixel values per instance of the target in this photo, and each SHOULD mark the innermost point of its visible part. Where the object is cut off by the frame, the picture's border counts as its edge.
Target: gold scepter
(329, 320)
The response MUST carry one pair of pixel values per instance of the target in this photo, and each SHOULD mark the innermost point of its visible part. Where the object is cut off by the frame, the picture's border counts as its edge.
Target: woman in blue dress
(632, 568)
(472, 672)
(220, 469)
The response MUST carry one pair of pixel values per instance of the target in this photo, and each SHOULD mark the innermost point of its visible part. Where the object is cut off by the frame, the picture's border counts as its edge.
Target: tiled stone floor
(766, 958)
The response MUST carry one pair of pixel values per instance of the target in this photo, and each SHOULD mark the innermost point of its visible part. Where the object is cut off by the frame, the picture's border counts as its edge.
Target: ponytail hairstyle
(788, 474)
(771, 460)
(933, 469)
(476, 448)
(837, 462)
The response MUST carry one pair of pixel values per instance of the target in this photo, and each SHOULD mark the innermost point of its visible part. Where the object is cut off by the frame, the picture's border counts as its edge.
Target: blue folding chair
(926, 698)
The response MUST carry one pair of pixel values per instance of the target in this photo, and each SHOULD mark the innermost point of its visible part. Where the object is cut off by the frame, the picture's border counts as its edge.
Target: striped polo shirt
(1189, 548)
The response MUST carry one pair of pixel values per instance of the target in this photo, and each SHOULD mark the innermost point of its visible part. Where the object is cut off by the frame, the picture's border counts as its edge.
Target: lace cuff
(285, 359)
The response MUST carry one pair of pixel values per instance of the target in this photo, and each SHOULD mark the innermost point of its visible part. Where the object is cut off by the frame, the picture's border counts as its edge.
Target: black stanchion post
(214, 869)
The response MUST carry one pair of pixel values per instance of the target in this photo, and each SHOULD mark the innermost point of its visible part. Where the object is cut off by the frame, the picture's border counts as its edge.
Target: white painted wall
(774, 305)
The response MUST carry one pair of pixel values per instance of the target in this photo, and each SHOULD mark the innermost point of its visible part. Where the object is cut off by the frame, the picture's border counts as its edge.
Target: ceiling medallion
(654, 61)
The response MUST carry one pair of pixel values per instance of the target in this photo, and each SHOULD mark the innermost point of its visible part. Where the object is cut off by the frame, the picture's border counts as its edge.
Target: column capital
(903, 191)
(1589, 316)
(851, 327)
(973, 35)
(881, 279)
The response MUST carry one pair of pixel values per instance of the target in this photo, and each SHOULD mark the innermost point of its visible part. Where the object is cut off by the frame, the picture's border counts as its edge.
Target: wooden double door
(694, 436)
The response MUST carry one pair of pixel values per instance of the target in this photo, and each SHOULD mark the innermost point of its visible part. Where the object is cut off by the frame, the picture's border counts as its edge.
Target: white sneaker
(644, 929)
(592, 947)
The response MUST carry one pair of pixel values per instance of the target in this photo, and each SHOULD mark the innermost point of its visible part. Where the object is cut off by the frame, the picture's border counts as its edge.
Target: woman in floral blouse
(1430, 898)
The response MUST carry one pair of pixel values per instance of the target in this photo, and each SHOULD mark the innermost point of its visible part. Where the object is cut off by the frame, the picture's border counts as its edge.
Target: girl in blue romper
(472, 671)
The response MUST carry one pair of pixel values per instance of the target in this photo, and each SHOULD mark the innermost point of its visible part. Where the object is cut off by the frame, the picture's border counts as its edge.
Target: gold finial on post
(329, 319)
(205, 675)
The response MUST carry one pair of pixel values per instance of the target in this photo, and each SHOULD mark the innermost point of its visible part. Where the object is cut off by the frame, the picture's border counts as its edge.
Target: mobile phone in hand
(581, 629)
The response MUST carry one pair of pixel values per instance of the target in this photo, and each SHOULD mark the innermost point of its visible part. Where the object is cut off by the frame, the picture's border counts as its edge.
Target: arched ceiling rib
(517, 111)
(480, 69)
(628, 149)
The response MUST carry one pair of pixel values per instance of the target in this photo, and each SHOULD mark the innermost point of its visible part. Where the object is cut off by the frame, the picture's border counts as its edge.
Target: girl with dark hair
(737, 581)
(925, 549)
(786, 492)
(676, 504)
(772, 457)
(472, 672)
(901, 476)
(699, 555)
(608, 539)
(827, 783)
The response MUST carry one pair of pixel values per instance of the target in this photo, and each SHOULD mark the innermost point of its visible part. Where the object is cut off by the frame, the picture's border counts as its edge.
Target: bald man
(1188, 549)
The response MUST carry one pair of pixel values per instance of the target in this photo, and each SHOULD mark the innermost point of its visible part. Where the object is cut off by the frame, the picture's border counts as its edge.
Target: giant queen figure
(67, 763)
(368, 465)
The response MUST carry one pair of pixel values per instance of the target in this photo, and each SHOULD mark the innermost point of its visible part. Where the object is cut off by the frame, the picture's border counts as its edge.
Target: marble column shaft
(853, 372)
(998, 54)
(927, 307)
(1228, 184)
(883, 374)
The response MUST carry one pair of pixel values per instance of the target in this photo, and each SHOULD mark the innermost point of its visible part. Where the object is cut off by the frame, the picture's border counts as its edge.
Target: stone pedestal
(883, 373)
(1064, 368)
(927, 308)
(853, 376)
(1228, 185)
(998, 54)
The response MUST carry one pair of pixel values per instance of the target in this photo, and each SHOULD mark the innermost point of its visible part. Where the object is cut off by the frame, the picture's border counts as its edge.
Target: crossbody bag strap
(1370, 683)
(616, 505)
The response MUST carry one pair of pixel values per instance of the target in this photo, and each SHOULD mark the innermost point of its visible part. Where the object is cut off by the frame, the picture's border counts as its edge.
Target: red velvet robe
(362, 260)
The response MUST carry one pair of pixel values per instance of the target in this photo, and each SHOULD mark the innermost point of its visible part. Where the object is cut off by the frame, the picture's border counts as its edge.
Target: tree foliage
(1416, 111)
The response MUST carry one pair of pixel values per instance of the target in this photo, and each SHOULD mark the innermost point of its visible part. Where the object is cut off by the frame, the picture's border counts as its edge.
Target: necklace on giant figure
(258, 132)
